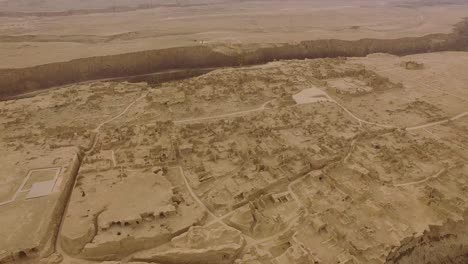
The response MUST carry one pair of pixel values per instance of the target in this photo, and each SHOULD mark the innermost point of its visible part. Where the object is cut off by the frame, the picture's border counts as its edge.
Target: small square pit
(40, 189)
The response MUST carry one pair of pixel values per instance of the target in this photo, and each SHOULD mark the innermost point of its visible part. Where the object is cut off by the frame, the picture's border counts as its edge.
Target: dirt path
(435, 176)
(290, 224)
(120, 114)
(263, 107)
(437, 122)
(190, 120)
(195, 197)
(361, 121)
(57, 245)
(217, 219)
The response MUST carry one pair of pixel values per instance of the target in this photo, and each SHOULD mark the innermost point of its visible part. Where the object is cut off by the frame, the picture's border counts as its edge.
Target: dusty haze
(233, 132)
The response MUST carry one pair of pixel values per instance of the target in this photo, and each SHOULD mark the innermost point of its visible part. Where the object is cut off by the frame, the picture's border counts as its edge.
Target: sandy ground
(27, 41)
(331, 160)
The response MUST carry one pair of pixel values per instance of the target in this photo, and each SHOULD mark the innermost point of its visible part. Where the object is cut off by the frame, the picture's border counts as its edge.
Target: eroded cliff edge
(14, 82)
(445, 244)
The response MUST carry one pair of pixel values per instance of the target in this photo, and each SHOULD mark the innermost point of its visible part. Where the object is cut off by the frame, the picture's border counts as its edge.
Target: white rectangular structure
(310, 95)
(40, 189)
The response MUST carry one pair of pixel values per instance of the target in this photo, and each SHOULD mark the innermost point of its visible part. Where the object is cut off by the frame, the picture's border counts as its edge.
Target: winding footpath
(98, 128)
(435, 176)
(57, 245)
(424, 126)
(217, 219)
(190, 120)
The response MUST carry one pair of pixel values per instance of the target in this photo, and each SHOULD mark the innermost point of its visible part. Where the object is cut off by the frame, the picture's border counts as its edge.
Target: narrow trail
(435, 176)
(429, 86)
(120, 114)
(424, 126)
(292, 221)
(114, 161)
(290, 224)
(401, 72)
(217, 219)
(352, 147)
(57, 246)
(293, 194)
(261, 108)
(195, 197)
(458, 145)
(98, 128)
(361, 121)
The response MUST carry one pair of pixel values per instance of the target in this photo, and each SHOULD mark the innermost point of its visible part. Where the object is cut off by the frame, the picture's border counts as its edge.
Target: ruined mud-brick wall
(46, 245)
(18, 81)
(446, 244)
(67, 183)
